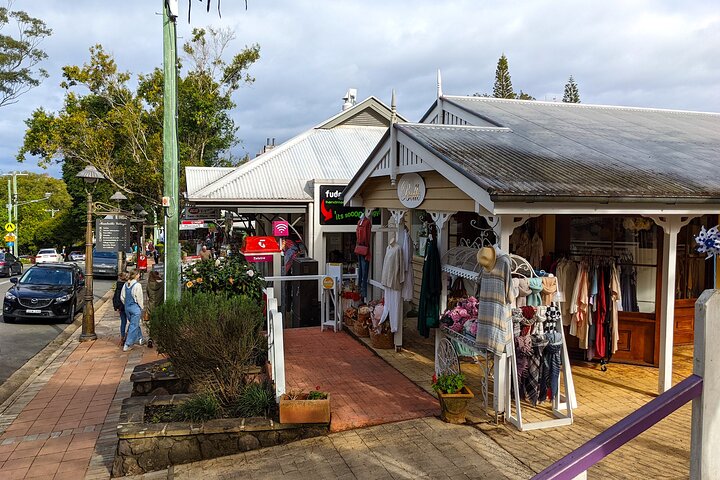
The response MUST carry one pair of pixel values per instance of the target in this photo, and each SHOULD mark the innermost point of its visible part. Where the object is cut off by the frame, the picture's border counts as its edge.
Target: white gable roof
(335, 149)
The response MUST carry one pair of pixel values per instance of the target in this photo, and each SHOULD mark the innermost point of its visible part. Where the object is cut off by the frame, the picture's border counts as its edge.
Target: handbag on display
(361, 250)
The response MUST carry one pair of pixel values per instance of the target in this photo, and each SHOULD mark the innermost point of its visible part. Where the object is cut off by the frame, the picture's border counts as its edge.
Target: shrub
(232, 276)
(256, 400)
(211, 339)
(448, 382)
(201, 407)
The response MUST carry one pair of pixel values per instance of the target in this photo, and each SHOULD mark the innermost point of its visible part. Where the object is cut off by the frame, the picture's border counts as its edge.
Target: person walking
(132, 298)
(119, 307)
(155, 293)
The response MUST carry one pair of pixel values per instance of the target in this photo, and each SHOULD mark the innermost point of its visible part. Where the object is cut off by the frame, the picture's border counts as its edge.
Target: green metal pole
(170, 157)
(15, 213)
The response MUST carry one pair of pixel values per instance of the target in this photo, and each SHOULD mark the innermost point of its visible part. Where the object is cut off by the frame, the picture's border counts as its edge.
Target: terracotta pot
(304, 411)
(454, 405)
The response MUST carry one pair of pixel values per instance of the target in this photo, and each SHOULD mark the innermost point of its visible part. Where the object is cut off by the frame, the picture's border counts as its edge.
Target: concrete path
(422, 448)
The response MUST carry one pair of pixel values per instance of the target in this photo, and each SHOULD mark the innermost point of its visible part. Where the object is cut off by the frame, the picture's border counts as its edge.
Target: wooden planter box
(454, 405)
(304, 411)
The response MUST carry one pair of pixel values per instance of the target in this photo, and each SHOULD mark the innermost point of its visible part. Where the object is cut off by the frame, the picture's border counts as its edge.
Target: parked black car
(46, 291)
(9, 265)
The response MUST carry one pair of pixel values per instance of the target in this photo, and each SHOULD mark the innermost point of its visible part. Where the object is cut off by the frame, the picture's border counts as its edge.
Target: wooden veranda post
(705, 434)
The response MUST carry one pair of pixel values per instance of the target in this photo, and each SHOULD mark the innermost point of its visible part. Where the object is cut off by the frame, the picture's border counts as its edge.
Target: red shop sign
(260, 245)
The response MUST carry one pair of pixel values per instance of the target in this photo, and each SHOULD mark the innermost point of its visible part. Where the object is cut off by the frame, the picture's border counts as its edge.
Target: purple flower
(462, 313)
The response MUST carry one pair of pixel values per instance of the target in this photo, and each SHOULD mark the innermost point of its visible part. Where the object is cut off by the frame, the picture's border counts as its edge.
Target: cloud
(642, 53)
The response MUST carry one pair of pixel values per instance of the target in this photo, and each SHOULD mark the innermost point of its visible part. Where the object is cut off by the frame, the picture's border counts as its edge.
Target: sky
(660, 54)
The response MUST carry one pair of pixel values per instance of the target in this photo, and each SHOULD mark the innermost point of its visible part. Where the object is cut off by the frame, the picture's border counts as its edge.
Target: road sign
(112, 234)
(9, 237)
(9, 227)
(10, 244)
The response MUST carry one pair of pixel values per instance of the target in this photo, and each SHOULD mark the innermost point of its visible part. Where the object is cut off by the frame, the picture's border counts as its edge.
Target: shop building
(301, 181)
(584, 182)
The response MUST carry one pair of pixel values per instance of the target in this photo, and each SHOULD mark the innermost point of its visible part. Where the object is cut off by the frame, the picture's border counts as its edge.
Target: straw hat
(486, 257)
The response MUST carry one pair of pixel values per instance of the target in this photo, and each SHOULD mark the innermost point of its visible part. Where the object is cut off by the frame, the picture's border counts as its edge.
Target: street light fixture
(90, 175)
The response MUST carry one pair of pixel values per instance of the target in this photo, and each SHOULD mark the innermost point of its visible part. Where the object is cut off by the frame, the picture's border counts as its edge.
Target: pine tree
(572, 94)
(503, 84)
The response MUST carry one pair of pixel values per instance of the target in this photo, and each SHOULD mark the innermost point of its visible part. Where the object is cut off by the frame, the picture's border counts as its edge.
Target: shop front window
(631, 244)
(694, 272)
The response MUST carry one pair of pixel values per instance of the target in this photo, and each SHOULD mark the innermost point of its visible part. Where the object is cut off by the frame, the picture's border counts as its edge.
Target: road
(20, 342)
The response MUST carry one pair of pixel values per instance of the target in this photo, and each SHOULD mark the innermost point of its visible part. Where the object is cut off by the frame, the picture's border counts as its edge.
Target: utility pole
(170, 152)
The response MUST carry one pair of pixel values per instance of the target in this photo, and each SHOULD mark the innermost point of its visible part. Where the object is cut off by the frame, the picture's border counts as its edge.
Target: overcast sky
(641, 53)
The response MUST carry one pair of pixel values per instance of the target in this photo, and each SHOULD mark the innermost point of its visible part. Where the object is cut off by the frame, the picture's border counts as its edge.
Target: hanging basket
(382, 337)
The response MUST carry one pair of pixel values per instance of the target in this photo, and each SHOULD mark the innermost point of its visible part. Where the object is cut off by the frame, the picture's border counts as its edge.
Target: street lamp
(90, 175)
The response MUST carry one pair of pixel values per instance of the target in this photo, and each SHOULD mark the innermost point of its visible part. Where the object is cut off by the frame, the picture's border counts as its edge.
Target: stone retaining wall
(144, 447)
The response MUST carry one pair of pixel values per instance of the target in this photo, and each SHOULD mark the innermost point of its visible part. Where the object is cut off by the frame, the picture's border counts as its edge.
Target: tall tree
(40, 222)
(105, 123)
(503, 85)
(572, 94)
(20, 54)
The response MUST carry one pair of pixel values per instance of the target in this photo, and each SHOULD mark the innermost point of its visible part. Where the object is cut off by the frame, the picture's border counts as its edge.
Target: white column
(705, 433)
(503, 226)
(312, 230)
(671, 225)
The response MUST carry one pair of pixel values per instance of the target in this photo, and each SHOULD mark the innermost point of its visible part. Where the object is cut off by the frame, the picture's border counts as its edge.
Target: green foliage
(20, 54)
(211, 339)
(317, 395)
(108, 123)
(232, 276)
(503, 85)
(37, 227)
(256, 400)
(199, 408)
(572, 94)
(448, 382)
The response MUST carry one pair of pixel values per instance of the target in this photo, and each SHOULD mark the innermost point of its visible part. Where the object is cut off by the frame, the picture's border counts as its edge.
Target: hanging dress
(430, 291)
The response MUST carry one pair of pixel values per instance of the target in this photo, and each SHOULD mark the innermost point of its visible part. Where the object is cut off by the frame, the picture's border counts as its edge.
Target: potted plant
(454, 396)
(300, 407)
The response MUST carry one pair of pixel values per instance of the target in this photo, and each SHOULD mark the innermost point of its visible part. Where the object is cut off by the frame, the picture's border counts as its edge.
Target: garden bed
(159, 378)
(145, 447)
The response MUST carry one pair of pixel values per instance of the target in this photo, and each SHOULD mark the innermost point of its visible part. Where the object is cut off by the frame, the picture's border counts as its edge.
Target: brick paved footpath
(62, 423)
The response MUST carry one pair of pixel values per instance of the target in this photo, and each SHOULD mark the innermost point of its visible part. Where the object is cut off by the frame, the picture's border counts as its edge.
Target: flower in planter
(250, 273)
(189, 284)
(231, 280)
(448, 382)
(199, 280)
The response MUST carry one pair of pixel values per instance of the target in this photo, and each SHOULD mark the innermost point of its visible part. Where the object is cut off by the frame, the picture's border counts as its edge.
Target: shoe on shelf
(126, 348)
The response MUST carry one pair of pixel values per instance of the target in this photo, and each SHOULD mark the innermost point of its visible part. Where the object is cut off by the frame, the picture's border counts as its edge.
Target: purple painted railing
(580, 460)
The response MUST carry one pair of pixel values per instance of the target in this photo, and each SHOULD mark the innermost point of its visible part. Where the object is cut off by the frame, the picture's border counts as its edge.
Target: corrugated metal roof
(579, 151)
(283, 172)
(197, 178)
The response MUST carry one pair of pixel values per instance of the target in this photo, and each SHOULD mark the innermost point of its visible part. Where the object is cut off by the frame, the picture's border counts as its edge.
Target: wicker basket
(360, 327)
(383, 339)
(349, 316)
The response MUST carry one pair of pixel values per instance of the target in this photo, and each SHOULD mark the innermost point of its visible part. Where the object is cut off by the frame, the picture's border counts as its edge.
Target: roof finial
(439, 84)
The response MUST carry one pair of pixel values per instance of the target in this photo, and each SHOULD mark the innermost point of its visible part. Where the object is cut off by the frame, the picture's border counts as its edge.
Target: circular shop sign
(328, 282)
(411, 190)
